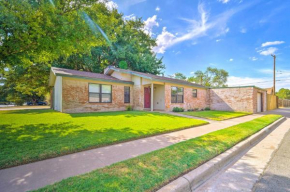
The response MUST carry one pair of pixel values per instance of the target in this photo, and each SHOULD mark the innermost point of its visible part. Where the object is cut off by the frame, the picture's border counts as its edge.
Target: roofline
(238, 87)
(154, 79)
(96, 79)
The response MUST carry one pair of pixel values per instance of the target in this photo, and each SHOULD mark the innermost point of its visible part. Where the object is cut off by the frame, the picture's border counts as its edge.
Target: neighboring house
(78, 91)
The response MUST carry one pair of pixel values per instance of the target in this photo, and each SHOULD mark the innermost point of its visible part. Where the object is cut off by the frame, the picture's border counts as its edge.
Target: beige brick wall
(76, 97)
(190, 102)
(232, 99)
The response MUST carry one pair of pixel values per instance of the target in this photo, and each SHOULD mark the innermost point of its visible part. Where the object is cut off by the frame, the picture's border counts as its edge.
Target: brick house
(78, 91)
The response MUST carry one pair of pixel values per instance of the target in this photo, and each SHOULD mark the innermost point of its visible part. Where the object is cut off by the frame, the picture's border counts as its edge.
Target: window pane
(106, 89)
(94, 97)
(194, 92)
(173, 90)
(127, 90)
(95, 88)
(106, 98)
(173, 98)
(127, 94)
(179, 98)
(179, 90)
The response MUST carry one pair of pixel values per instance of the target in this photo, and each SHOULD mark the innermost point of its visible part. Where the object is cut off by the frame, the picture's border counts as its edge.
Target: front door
(147, 97)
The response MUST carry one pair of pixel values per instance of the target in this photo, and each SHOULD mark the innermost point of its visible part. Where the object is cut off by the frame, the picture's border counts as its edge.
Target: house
(78, 91)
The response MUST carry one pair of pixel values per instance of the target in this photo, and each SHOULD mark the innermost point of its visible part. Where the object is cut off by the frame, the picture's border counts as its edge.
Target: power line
(258, 82)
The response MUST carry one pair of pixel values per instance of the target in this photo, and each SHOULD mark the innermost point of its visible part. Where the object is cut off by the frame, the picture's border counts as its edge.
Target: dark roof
(85, 75)
(156, 77)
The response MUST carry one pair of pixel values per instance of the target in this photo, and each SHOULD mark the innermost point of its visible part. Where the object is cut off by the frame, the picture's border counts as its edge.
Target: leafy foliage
(212, 77)
(283, 93)
(35, 35)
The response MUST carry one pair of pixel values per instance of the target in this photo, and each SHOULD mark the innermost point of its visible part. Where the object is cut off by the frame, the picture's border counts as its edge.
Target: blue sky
(236, 35)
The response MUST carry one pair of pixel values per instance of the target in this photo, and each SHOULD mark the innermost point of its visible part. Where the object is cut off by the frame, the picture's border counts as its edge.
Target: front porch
(154, 97)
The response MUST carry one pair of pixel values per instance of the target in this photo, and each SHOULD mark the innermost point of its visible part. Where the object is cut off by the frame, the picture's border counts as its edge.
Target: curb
(192, 180)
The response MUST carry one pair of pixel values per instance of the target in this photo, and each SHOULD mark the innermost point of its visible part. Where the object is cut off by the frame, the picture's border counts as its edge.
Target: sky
(236, 35)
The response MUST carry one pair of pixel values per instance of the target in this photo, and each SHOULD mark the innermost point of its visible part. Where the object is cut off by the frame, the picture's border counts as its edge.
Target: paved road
(243, 174)
(276, 177)
(35, 175)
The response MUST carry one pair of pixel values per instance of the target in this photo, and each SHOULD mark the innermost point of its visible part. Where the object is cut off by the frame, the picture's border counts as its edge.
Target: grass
(215, 115)
(31, 135)
(151, 171)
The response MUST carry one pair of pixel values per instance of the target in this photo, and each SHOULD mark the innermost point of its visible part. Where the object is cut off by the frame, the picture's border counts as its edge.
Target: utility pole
(274, 75)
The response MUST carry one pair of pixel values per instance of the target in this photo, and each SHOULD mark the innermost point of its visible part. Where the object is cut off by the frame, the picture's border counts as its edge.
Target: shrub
(196, 109)
(207, 109)
(129, 108)
(178, 109)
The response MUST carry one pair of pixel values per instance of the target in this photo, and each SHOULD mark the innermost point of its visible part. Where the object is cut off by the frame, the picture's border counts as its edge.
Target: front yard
(31, 135)
(216, 115)
(153, 170)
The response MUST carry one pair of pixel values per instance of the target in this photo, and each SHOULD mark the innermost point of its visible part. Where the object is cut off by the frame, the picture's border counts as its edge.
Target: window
(100, 93)
(176, 95)
(126, 94)
(194, 92)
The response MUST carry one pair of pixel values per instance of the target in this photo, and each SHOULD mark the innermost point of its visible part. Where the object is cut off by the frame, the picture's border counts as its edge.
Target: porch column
(152, 88)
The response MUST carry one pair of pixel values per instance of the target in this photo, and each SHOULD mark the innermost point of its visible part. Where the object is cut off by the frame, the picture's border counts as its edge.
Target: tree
(179, 76)
(212, 77)
(132, 46)
(76, 34)
(283, 93)
(33, 31)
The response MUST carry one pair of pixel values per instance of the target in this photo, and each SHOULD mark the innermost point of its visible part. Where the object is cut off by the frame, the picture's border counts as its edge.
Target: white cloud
(150, 23)
(253, 58)
(163, 41)
(269, 51)
(272, 43)
(224, 1)
(243, 30)
(157, 9)
(231, 60)
(218, 40)
(129, 17)
(201, 27)
(110, 4)
(192, 72)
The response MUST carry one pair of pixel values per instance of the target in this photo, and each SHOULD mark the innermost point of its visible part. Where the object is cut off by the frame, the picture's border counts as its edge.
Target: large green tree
(132, 46)
(211, 77)
(283, 93)
(77, 34)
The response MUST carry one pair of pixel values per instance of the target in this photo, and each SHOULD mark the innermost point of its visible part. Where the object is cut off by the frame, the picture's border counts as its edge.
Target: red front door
(147, 97)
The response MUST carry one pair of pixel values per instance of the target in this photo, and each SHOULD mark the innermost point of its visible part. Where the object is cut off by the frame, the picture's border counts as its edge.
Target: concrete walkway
(242, 174)
(35, 175)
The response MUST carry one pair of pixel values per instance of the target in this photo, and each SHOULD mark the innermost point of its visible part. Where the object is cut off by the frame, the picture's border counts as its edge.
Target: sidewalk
(246, 171)
(35, 175)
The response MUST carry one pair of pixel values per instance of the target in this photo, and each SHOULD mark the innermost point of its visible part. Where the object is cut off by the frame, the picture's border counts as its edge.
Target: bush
(196, 109)
(129, 108)
(207, 109)
(178, 109)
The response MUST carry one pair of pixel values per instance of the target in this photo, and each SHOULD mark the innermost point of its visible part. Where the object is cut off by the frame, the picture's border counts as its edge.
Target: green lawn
(31, 135)
(216, 115)
(151, 171)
